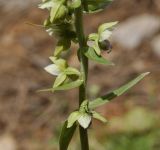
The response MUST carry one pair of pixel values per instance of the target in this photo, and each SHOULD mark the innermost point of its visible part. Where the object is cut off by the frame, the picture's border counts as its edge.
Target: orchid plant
(65, 22)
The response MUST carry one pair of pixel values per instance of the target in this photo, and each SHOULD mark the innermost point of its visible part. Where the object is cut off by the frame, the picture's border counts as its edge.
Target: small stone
(131, 33)
(7, 143)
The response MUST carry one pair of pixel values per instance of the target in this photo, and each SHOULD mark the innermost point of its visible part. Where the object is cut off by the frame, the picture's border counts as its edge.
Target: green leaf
(73, 117)
(108, 97)
(85, 120)
(66, 136)
(98, 117)
(91, 54)
(59, 80)
(68, 86)
(71, 71)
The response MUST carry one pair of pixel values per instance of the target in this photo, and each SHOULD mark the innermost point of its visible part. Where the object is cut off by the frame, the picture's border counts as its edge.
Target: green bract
(65, 23)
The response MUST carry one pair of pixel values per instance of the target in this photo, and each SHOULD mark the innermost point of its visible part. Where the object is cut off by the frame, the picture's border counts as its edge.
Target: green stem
(84, 71)
(85, 5)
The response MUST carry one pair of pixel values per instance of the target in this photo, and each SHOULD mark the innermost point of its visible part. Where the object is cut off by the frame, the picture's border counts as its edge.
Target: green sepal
(62, 45)
(71, 71)
(108, 97)
(66, 136)
(98, 117)
(107, 26)
(84, 106)
(73, 117)
(58, 11)
(93, 36)
(68, 86)
(59, 80)
(73, 4)
(91, 54)
(61, 63)
(97, 48)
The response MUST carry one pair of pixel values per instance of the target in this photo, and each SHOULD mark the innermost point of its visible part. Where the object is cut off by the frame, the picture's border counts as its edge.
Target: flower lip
(53, 69)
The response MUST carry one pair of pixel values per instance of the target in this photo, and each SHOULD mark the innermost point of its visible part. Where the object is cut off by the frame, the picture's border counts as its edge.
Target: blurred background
(31, 121)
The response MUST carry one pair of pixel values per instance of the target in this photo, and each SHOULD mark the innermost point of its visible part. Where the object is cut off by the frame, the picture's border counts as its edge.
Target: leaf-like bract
(108, 97)
(66, 136)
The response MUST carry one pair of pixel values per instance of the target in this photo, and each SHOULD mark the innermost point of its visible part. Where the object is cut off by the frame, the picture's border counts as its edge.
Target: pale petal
(105, 35)
(85, 120)
(53, 69)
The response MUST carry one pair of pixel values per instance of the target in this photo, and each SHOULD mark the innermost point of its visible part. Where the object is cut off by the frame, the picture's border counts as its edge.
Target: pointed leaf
(66, 136)
(68, 86)
(91, 54)
(59, 80)
(108, 97)
(98, 117)
(73, 117)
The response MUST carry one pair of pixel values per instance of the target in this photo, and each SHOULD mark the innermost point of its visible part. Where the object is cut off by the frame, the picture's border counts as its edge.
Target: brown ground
(33, 117)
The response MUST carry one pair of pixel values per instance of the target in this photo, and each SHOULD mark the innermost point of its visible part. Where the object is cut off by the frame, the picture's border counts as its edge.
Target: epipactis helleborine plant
(65, 22)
